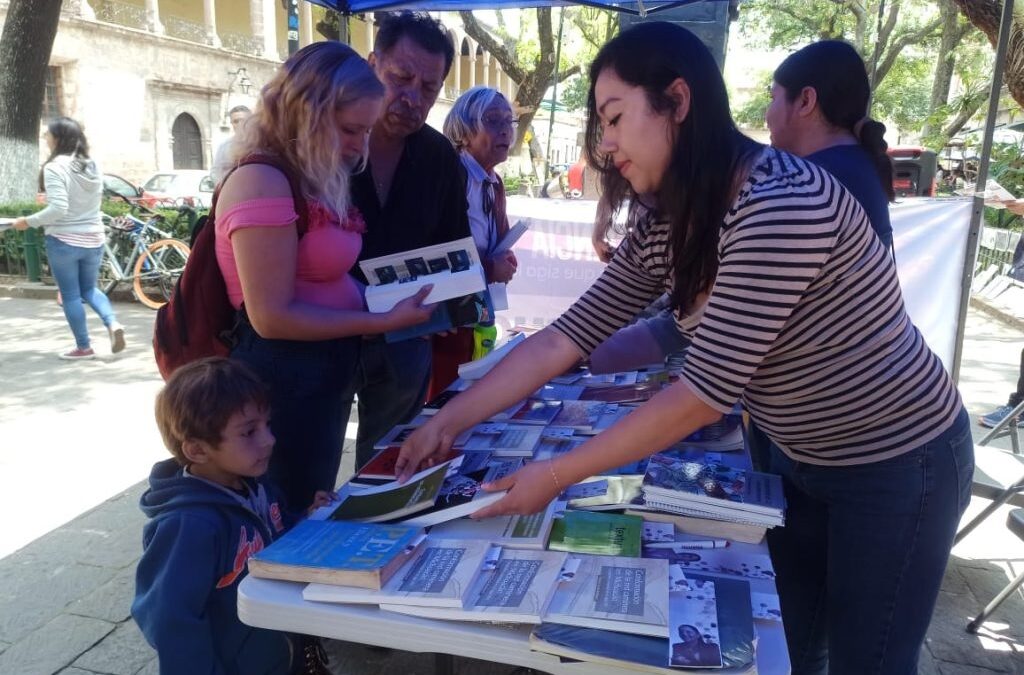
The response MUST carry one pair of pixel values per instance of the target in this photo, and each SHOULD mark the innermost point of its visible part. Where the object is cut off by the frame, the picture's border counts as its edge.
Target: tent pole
(979, 200)
(554, 95)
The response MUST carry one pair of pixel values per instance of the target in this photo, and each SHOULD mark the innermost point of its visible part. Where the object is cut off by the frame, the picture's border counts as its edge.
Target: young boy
(210, 510)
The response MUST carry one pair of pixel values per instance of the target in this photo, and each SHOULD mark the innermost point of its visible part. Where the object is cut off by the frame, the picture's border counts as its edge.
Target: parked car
(193, 186)
(115, 186)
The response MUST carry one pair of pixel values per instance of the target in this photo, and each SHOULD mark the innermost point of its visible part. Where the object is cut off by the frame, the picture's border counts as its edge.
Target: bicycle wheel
(157, 271)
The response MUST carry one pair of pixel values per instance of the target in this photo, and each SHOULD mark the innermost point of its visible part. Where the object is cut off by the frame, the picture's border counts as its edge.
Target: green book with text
(597, 533)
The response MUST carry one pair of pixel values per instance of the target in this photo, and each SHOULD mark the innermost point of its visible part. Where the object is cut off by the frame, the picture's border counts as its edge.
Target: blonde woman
(303, 312)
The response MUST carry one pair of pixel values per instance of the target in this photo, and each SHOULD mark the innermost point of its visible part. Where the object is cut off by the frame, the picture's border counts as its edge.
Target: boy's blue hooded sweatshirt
(196, 545)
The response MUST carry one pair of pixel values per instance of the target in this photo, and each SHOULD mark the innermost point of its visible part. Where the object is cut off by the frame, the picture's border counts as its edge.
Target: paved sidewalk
(77, 440)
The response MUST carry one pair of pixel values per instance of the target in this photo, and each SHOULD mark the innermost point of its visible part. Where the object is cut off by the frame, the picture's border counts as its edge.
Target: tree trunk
(945, 62)
(985, 15)
(25, 45)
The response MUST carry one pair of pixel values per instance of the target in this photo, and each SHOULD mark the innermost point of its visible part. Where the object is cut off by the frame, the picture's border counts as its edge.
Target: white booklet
(453, 268)
(512, 236)
(438, 575)
(514, 587)
(628, 595)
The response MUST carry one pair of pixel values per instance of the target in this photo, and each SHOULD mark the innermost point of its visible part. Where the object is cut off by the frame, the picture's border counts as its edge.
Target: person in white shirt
(482, 128)
(222, 159)
(74, 232)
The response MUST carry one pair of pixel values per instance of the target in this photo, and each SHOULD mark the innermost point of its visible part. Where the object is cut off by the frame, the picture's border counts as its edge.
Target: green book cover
(393, 500)
(598, 533)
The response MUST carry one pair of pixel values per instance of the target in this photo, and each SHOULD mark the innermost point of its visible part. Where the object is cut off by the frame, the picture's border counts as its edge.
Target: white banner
(557, 262)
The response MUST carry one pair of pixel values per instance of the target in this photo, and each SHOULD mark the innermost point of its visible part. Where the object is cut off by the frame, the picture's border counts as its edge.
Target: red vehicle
(913, 171)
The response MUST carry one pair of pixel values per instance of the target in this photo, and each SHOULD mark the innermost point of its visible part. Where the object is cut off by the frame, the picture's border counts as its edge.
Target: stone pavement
(77, 440)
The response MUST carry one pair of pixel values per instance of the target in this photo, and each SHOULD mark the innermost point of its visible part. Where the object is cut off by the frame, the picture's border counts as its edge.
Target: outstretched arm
(673, 414)
(522, 372)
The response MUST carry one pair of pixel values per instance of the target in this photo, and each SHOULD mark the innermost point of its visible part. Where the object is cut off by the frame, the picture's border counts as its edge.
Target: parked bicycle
(137, 251)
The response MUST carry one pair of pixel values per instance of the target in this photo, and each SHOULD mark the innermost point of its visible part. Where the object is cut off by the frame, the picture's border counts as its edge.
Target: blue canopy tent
(628, 6)
(645, 8)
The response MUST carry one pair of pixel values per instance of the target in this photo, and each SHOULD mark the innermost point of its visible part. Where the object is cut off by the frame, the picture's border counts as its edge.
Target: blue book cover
(468, 310)
(339, 552)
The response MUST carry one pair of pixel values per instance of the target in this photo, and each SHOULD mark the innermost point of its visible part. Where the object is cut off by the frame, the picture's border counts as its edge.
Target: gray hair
(465, 119)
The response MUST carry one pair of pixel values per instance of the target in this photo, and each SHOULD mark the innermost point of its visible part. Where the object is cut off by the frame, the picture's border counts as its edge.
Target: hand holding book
(410, 311)
(530, 490)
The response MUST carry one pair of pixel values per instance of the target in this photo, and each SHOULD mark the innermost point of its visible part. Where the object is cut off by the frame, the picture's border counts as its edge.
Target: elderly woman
(482, 127)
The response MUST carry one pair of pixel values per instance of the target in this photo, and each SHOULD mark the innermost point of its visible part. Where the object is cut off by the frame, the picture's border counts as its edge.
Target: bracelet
(554, 476)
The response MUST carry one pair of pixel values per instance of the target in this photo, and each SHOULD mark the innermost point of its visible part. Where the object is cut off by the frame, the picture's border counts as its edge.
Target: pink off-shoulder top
(325, 255)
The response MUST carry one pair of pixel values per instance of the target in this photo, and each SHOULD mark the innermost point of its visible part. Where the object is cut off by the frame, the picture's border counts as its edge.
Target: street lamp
(241, 78)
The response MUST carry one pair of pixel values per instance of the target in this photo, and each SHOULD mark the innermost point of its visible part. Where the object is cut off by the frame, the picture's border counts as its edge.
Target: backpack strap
(294, 182)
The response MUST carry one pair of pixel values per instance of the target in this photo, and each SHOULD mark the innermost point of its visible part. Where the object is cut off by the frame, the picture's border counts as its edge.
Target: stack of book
(713, 491)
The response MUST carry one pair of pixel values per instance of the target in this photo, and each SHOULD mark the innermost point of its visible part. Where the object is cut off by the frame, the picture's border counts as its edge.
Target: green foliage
(573, 94)
(750, 112)
(904, 96)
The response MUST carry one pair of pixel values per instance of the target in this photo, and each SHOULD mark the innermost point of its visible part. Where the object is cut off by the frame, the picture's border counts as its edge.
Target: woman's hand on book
(411, 311)
(530, 490)
(424, 448)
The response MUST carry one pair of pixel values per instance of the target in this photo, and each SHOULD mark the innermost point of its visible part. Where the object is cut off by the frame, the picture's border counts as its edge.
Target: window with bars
(52, 98)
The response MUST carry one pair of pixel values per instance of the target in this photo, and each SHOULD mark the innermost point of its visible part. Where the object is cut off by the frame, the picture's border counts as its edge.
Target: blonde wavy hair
(295, 118)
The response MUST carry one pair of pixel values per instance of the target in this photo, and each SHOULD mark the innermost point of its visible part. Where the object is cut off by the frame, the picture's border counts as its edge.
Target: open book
(453, 269)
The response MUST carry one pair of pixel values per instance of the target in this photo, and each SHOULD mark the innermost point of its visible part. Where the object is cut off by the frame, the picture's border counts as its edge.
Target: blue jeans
(861, 558)
(76, 270)
(391, 382)
(307, 383)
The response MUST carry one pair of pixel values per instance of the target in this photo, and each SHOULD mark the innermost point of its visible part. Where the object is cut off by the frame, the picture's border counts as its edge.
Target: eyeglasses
(500, 123)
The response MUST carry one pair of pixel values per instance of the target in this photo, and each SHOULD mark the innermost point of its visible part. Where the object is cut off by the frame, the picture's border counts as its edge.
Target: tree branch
(507, 59)
(898, 44)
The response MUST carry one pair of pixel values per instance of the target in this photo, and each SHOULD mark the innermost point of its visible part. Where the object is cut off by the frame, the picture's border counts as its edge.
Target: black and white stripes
(805, 321)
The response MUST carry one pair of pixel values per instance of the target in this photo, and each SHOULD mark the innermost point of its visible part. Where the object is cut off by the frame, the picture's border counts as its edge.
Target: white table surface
(279, 605)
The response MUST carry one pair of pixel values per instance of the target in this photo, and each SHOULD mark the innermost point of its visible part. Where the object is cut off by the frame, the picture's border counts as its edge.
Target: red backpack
(199, 320)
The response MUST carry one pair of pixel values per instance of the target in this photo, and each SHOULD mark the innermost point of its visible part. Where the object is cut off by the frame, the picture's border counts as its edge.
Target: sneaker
(314, 658)
(116, 331)
(993, 418)
(79, 354)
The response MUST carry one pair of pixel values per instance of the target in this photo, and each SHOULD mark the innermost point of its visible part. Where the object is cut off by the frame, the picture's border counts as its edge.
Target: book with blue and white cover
(338, 552)
(438, 575)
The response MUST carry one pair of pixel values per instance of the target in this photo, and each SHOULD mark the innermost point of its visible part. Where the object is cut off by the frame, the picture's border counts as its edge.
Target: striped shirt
(805, 321)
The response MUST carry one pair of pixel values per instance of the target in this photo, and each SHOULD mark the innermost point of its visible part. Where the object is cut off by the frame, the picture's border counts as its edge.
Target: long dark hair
(69, 139)
(837, 74)
(709, 150)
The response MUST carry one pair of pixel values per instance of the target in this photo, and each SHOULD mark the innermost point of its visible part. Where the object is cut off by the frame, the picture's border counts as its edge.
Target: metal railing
(999, 241)
(120, 13)
(238, 42)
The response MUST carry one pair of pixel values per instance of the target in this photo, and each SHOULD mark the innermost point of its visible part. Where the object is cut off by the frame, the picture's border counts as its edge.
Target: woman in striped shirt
(794, 307)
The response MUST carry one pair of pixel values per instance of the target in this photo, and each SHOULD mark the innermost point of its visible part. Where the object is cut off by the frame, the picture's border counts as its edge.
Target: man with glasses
(411, 194)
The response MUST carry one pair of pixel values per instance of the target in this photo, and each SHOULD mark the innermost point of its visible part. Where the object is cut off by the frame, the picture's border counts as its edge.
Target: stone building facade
(152, 81)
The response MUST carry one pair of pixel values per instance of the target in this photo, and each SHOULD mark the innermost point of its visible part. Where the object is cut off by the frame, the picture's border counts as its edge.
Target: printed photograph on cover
(712, 480)
(716, 561)
(693, 623)
(457, 255)
(657, 533)
(438, 265)
(386, 274)
(469, 309)
(416, 267)
(460, 260)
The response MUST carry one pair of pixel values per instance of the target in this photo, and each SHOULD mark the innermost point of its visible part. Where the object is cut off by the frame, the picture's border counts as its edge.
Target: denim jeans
(391, 383)
(861, 558)
(307, 381)
(76, 270)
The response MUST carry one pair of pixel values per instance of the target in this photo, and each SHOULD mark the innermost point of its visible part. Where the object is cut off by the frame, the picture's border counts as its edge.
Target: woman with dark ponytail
(819, 111)
(74, 233)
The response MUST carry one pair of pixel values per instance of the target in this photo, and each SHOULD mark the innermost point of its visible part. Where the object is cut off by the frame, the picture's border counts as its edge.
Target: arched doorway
(187, 142)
